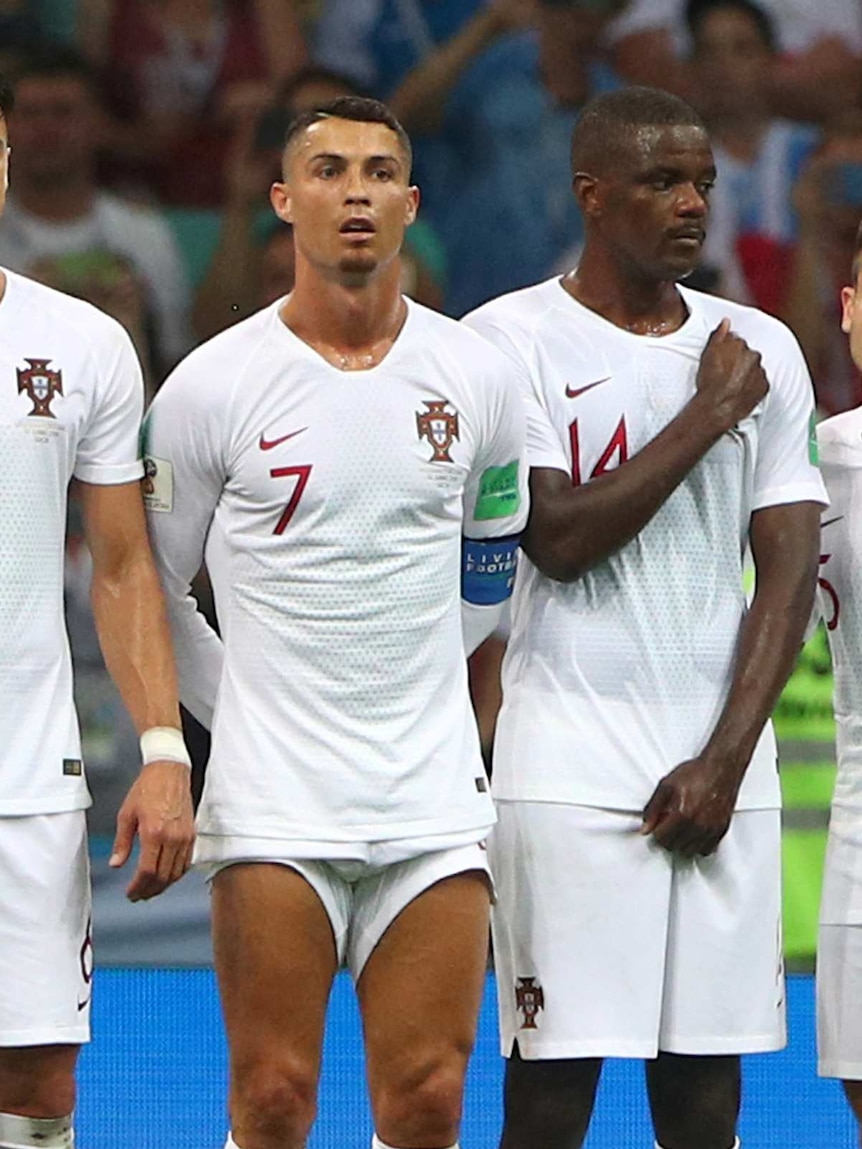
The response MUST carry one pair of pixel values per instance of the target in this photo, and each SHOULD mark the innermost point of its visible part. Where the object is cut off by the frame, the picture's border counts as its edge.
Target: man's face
(651, 205)
(55, 126)
(731, 61)
(347, 194)
(851, 318)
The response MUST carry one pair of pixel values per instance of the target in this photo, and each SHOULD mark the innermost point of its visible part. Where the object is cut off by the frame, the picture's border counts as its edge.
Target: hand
(158, 808)
(691, 808)
(730, 377)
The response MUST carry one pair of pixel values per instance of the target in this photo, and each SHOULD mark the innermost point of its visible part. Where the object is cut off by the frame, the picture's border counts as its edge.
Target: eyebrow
(384, 158)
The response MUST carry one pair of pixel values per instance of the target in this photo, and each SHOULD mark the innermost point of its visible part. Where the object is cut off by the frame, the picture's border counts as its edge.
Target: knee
(38, 1090)
(273, 1099)
(423, 1105)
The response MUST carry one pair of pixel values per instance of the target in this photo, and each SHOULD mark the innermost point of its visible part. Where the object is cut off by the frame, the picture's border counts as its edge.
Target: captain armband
(488, 569)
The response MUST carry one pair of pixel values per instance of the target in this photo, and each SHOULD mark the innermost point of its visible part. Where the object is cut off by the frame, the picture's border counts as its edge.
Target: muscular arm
(691, 808)
(133, 632)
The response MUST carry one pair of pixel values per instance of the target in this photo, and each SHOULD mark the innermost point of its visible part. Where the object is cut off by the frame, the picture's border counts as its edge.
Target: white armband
(164, 744)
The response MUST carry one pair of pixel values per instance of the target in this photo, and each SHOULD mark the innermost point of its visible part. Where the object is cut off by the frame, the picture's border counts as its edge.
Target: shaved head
(607, 126)
(359, 109)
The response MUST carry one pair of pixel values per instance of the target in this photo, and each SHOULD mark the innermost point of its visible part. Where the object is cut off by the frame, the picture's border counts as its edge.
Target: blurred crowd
(147, 132)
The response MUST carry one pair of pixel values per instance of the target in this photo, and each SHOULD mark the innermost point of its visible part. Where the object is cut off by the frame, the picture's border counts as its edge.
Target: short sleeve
(108, 450)
(544, 447)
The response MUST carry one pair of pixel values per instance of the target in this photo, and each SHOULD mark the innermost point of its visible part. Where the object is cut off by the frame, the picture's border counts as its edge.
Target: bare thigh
(38, 1081)
(419, 994)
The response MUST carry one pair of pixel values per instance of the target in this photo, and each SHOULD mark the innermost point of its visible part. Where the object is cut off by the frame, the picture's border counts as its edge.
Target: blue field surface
(154, 1077)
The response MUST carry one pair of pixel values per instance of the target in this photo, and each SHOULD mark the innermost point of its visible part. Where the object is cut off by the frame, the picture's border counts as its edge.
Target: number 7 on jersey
(299, 473)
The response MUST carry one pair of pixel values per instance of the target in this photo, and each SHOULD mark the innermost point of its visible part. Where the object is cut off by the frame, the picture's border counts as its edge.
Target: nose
(356, 191)
(692, 201)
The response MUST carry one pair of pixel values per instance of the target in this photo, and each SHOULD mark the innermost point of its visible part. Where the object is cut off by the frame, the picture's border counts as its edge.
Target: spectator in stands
(815, 72)
(57, 211)
(20, 32)
(828, 198)
(253, 263)
(758, 157)
(182, 74)
(500, 102)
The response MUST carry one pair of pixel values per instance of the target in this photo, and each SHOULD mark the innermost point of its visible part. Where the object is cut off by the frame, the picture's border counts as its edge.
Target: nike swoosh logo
(574, 392)
(829, 522)
(82, 1005)
(268, 444)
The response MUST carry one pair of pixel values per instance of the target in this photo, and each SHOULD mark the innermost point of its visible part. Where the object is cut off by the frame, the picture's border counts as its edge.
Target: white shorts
(46, 948)
(606, 945)
(839, 957)
(363, 896)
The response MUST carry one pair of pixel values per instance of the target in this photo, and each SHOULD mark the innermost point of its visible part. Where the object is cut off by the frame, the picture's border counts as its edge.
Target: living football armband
(488, 569)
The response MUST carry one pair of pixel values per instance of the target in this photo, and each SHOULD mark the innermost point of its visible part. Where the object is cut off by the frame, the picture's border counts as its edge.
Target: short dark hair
(598, 138)
(52, 60)
(697, 10)
(856, 266)
(7, 98)
(360, 109)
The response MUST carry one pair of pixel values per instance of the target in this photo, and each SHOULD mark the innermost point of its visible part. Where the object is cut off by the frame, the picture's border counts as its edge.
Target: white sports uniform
(615, 678)
(71, 396)
(330, 506)
(839, 950)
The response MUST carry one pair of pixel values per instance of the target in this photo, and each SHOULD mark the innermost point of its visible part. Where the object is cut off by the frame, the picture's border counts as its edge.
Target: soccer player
(351, 465)
(71, 395)
(637, 848)
(839, 984)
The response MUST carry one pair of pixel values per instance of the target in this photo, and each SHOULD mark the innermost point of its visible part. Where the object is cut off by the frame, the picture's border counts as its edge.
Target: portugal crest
(439, 427)
(529, 999)
(41, 384)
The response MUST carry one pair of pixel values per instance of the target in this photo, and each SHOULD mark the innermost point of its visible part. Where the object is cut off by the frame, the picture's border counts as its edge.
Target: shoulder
(761, 331)
(465, 347)
(517, 311)
(80, 324)
(840, 438)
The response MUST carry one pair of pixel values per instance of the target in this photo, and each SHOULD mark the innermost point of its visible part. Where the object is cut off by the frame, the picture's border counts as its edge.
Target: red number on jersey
(617, 447)
(829, 591)
(301, 475)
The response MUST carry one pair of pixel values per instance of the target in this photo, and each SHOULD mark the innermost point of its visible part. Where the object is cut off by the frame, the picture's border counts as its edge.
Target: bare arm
(691, 808)
(133, 632)
(419, 101)
(573, 528)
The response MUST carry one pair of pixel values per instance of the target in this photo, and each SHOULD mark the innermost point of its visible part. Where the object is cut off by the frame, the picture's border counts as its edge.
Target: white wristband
(164, 744)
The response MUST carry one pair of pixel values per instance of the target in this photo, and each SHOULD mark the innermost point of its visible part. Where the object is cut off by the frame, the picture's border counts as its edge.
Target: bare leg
(853, 1092)
(694, 1100)
(275, 959)
(420, 993)
(38, 1081)
(548, 1103)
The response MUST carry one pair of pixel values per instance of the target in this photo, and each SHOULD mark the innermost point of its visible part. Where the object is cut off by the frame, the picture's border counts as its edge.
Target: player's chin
(358, 264)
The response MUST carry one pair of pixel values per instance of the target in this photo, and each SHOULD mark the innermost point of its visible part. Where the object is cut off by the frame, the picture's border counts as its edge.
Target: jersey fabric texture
(613, 679)
(71, 398)
(331, 506)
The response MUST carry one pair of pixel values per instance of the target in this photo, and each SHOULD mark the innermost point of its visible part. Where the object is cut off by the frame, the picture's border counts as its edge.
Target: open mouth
(359, 226)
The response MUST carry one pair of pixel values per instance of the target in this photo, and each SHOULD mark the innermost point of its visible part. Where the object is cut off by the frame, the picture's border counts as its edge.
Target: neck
(642, 305)
(348, 323)
(41, 198)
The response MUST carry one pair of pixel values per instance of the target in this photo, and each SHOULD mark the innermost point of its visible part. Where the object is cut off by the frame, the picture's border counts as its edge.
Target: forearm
(419, 102)
(583, 525)
(769, 642)
(133, 633)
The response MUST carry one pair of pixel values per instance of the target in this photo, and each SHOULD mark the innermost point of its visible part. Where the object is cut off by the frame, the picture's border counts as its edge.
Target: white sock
(376, 1143)
(230, 1143)
(17, 1132)
(735, 1145)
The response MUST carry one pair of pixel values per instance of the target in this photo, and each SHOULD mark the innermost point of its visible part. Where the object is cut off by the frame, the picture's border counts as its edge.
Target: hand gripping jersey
(612, 680)
(71, 397)
(840, 601)
(330, 507)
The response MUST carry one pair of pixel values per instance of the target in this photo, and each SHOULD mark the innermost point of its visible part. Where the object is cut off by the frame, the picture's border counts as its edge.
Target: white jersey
(71, 397)
(615, 678)
(331, 507)
(840, 597)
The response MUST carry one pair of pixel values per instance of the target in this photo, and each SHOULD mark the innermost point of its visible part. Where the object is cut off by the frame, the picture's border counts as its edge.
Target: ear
(848, 300)
(280, 198)
(587, 192)
(413, 198)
